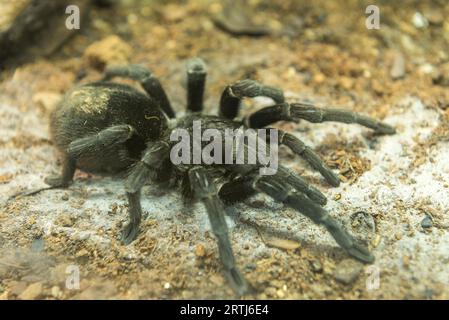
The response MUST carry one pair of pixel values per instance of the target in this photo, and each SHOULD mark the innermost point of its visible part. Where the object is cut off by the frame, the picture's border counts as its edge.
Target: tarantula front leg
(297, 111)
(299, 148)
(146, 79)
(152, 161)
(196, 80)
(233, 94)
(301, 185)
(205, 190)
(283, 192)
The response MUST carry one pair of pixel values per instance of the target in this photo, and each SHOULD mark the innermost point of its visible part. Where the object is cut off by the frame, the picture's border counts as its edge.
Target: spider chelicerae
(108, 128)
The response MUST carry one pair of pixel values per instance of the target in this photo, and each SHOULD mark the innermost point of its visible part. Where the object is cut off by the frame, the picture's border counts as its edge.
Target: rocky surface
(395, 194)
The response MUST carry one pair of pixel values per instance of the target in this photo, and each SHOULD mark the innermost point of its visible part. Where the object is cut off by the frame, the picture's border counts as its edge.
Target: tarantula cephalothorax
(107, 128)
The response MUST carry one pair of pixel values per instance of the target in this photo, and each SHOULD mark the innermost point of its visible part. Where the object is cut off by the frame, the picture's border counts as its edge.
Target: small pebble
(251, 267)
(419, 21)
(398, 68)
(406, 261)
(65, 197)
(65, 220)
(38, 245)
(347, 271)
(427, 222)
(270, 291)
(280, 294)
(56, 292)
(200, 251)
(33, 291)
(316, 266)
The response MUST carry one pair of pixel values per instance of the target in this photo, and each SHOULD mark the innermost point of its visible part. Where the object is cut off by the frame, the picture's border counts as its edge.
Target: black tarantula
(108, 128)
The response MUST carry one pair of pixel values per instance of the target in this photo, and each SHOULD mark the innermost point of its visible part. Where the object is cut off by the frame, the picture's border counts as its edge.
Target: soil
(395, 190)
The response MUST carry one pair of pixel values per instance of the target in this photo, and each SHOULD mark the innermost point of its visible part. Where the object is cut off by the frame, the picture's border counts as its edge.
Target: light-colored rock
(32, 292)
(347, 271)
(110, 50)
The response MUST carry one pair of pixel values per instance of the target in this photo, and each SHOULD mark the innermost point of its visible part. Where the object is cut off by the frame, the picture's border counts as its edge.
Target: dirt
(320, 53)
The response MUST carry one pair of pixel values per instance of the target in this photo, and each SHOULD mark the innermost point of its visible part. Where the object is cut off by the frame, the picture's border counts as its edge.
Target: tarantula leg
(289, 177)
(54, 181)
(131, 230)
(236, 190)
(196, 79)
(205, 190)
(301, 185)
(63, 180)
(152, 160)
(233, 94)
(279, 190)
(146, 79)
(299, 148)
(96, 142)
(297, 111)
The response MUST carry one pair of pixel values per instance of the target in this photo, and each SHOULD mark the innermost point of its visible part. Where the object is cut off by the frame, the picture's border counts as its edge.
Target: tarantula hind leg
(283, 192)
(99, 141)
(205, 190)
(62, 180)
(93, 143)
(54, 181)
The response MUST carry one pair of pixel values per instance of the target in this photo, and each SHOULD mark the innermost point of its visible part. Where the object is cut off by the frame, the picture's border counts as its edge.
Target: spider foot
(130, 232)
(361, 253)
(56, 181)
(347, 241)
(239, 283)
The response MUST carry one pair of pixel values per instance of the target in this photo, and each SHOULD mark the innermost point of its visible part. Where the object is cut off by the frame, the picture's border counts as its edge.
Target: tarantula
(109, 128)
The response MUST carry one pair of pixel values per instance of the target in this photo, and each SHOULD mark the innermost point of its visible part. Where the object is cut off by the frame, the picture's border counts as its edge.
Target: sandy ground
(395, 195)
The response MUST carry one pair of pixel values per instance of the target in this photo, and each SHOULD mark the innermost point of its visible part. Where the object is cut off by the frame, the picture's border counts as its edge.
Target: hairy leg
(93, 143)
(196, 80)
(281, 191)
(63, 180)
(146, 79)
(234, 93)
(297, 111)
(152, 160)
(99, 141)
(298, 183)
(205, 190)
(131, 230)
(289, 177)
(299, 148)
